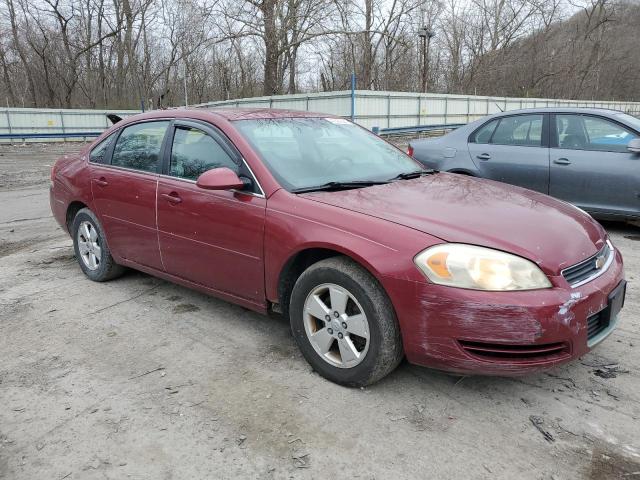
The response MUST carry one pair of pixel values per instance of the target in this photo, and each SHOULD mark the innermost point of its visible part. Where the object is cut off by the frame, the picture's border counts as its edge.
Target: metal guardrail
(390, 109)
(85, 135)
(416, 129)
(25, 136)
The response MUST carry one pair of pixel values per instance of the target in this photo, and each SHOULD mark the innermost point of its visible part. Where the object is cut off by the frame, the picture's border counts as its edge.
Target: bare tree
(132, 53)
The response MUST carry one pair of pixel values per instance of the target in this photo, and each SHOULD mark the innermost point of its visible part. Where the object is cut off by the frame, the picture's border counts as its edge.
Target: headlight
(479, 268)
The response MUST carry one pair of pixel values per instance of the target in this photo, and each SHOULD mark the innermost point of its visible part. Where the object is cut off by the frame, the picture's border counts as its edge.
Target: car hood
(461, 209)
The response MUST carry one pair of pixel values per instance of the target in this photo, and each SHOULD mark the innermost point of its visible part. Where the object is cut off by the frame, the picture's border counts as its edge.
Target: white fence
(402, 109)
(49, 121)
(370, 109)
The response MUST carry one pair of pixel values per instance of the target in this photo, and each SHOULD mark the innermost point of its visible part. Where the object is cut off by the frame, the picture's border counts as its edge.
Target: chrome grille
(589, 268)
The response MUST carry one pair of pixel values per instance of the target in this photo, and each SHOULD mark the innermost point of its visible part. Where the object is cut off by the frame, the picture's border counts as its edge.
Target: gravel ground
(139, 378)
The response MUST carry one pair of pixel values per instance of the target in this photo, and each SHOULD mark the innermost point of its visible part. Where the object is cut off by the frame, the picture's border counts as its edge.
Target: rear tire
(357, 342)
(91, 249)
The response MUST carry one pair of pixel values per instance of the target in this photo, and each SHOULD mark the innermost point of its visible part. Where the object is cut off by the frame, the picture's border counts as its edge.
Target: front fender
(294, 224)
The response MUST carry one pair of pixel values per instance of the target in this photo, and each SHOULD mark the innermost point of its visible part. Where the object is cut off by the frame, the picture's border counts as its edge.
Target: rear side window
(484, 134)
(194, 152)
(138, 146)
(522, 130)
(99, 153)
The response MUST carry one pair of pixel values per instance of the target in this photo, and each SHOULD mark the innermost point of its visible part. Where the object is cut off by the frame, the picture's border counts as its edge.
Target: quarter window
(484, 134)
(523, 130)
(582, 132)
(138, 146)
(99, 153)
(194, 152)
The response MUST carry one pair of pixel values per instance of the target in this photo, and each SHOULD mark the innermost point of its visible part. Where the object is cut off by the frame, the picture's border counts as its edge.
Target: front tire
(344, 323)
(91, 249)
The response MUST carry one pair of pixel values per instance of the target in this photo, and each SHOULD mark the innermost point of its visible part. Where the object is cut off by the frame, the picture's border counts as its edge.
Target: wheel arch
(72, 209)
(303, 258)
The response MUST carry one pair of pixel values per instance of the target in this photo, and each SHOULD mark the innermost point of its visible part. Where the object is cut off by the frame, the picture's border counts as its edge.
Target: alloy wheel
(89, 245)
(336, 325)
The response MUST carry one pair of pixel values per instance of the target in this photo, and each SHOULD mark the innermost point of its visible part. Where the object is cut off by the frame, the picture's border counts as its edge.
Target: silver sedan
(588, 157)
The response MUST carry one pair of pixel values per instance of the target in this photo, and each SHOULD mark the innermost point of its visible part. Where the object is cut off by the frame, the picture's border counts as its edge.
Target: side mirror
(221, 178)
(634, 145)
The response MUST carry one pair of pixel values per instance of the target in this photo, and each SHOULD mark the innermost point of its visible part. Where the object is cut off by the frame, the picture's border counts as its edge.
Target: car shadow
(629, 230)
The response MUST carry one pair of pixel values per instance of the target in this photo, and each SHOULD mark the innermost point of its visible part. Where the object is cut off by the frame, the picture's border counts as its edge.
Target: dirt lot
(139, 378)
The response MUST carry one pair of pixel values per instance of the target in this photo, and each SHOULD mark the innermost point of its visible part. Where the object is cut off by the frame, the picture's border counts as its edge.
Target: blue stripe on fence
(24, 136)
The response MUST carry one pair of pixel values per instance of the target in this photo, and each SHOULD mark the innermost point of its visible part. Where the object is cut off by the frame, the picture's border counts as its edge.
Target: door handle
(172, 198)
(483, 156)
(562, 161)
(101, 182)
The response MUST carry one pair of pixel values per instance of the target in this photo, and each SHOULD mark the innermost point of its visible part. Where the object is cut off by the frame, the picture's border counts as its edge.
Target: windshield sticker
(338, 121)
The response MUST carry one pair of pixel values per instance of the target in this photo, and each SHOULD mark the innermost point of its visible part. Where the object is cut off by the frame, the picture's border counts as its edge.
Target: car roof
(229, 114)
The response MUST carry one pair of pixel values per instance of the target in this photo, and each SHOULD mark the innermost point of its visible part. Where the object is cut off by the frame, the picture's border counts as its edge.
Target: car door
(123, 183)
(513, 149)
(212, 238)
(591, 166)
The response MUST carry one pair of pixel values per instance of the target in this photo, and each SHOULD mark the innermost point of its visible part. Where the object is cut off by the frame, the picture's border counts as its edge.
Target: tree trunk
(293, 56)
(367, 60)
(268, 8)
(11, 98)
(21, 53)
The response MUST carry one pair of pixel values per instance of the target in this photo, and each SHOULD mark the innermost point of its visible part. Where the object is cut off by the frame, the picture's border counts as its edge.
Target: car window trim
(222, 140)
(234, 190)
(555, 142)
(118, 132)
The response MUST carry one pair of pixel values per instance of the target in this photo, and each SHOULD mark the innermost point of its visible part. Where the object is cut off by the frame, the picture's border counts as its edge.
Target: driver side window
(585, 132)
(194, 152)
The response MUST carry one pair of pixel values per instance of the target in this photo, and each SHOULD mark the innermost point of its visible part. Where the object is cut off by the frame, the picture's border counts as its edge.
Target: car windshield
(630, 120)
(303, 153)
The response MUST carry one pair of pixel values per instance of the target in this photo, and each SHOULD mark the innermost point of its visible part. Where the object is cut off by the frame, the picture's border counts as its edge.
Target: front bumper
(501, 333)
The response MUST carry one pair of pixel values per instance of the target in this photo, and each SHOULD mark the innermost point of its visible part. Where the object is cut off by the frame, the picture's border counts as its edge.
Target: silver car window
(523, 130)
(585, 132)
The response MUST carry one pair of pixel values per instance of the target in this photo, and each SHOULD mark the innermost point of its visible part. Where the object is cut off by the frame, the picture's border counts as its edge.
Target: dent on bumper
(435, 319)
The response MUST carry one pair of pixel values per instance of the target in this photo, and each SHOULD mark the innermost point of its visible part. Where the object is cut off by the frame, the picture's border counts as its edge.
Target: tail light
(410, 151)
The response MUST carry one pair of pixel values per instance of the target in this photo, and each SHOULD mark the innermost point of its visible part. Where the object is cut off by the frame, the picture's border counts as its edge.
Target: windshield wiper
(338, 186)
(414, 174)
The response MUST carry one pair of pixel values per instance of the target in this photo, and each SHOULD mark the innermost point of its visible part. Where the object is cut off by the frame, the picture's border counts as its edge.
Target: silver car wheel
(336, 325)
(89, 245)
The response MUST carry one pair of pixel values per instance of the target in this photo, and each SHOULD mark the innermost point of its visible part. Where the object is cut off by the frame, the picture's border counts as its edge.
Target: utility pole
(425, 34)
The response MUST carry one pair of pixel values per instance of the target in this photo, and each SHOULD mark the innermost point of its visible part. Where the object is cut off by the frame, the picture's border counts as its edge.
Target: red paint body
(235, 245)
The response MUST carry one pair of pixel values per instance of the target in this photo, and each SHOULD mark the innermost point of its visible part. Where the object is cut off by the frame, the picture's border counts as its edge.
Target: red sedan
(371, 257)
